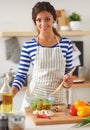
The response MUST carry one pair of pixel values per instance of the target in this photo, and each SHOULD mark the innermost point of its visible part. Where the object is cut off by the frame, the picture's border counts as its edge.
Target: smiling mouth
(44, 29)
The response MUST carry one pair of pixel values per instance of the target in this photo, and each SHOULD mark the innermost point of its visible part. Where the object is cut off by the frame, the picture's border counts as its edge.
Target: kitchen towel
(76, 54)
(12, 49)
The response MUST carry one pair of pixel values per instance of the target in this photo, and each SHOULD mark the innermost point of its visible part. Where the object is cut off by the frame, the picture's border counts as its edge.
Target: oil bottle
(6, 106)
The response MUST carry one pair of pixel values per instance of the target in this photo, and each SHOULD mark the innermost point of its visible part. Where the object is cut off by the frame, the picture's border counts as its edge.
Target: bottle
(6, 106)
(11, 75)
(81, 72)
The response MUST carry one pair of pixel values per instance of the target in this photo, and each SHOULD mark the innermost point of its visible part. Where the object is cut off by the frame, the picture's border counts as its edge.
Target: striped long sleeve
(28, 54)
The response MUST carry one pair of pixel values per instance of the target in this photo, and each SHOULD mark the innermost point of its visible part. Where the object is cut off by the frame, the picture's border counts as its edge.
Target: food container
(51, 99)
(16, 122)
(40, 104)
(3, 122)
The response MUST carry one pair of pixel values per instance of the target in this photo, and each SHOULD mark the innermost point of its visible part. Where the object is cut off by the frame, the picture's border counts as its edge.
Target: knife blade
(67, 105)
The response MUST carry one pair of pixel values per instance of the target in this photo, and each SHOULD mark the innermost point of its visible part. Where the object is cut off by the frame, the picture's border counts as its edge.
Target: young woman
(50, 55)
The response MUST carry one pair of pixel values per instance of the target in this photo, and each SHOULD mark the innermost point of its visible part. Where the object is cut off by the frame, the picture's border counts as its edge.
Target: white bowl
(64, 28)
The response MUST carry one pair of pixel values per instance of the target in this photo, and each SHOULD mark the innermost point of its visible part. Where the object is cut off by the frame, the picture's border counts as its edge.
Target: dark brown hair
(44, 6)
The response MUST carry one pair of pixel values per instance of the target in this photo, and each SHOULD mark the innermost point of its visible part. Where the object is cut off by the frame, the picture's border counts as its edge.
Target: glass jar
(81, 72)
(3, 122)
(16, 122)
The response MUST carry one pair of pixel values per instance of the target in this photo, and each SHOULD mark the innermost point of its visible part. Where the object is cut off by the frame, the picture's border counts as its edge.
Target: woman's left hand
(68, 80)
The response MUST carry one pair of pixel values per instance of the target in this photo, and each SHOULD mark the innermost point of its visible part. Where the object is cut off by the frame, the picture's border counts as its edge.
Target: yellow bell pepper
(83, 111)
(79, 103)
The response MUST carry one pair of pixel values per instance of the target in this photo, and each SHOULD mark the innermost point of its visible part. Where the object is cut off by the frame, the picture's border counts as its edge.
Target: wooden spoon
(58, 88)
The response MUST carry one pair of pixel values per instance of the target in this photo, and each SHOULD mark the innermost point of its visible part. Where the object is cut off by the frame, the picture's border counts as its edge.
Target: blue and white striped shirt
(28, 54)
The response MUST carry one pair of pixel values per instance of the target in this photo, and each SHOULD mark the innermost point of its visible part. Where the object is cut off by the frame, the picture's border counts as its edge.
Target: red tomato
(39, 106)
(73, 110)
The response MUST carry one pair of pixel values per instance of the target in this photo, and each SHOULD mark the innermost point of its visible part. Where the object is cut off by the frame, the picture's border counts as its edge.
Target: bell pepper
(72, 110)
(83, 111)
(79, 103)
(43, 116)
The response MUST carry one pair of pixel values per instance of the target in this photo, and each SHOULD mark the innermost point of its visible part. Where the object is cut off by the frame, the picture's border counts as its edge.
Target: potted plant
(74, 21)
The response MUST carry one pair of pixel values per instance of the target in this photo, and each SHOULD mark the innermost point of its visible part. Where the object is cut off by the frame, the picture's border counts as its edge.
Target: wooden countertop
(82, 84)
(58, 118)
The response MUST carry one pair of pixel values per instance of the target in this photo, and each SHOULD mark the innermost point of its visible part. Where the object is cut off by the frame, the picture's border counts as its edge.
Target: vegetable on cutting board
(43, 112)
(72, 110)
(80, 108)
(83, 111)
(43, 116)
(86, 121)
(40, 104)
(79, 103)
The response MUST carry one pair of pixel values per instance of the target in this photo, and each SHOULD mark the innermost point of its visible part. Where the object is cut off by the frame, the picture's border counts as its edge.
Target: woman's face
(44, 22)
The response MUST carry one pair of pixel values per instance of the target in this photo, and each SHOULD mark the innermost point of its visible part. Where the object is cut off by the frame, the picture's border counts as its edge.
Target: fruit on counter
(40, 104)
(83, 111)
(79, 103)
(73, 110)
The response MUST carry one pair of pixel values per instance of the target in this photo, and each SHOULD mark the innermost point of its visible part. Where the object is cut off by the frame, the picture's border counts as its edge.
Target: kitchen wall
(15, 15)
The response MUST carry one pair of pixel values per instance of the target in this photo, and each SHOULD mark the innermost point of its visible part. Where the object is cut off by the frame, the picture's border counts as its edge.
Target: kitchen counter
(75, 85)
(29, 125)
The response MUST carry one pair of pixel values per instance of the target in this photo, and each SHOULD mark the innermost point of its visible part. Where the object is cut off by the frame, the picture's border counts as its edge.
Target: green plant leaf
(88, 118)
(84, 122)
(74, 17)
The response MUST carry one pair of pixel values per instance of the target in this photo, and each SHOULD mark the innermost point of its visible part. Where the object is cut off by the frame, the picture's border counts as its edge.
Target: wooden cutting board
(58, 118)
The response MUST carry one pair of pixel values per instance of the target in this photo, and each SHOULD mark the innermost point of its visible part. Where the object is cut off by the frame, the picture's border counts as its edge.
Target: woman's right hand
(68, 80)
(14, 90)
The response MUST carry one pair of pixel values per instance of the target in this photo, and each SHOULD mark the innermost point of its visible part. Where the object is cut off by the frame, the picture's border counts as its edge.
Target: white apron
(48, 71)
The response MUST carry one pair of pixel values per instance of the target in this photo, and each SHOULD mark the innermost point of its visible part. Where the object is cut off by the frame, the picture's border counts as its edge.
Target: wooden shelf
(74, 33)
(17, 34)
(32, 34)
(83, 84)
